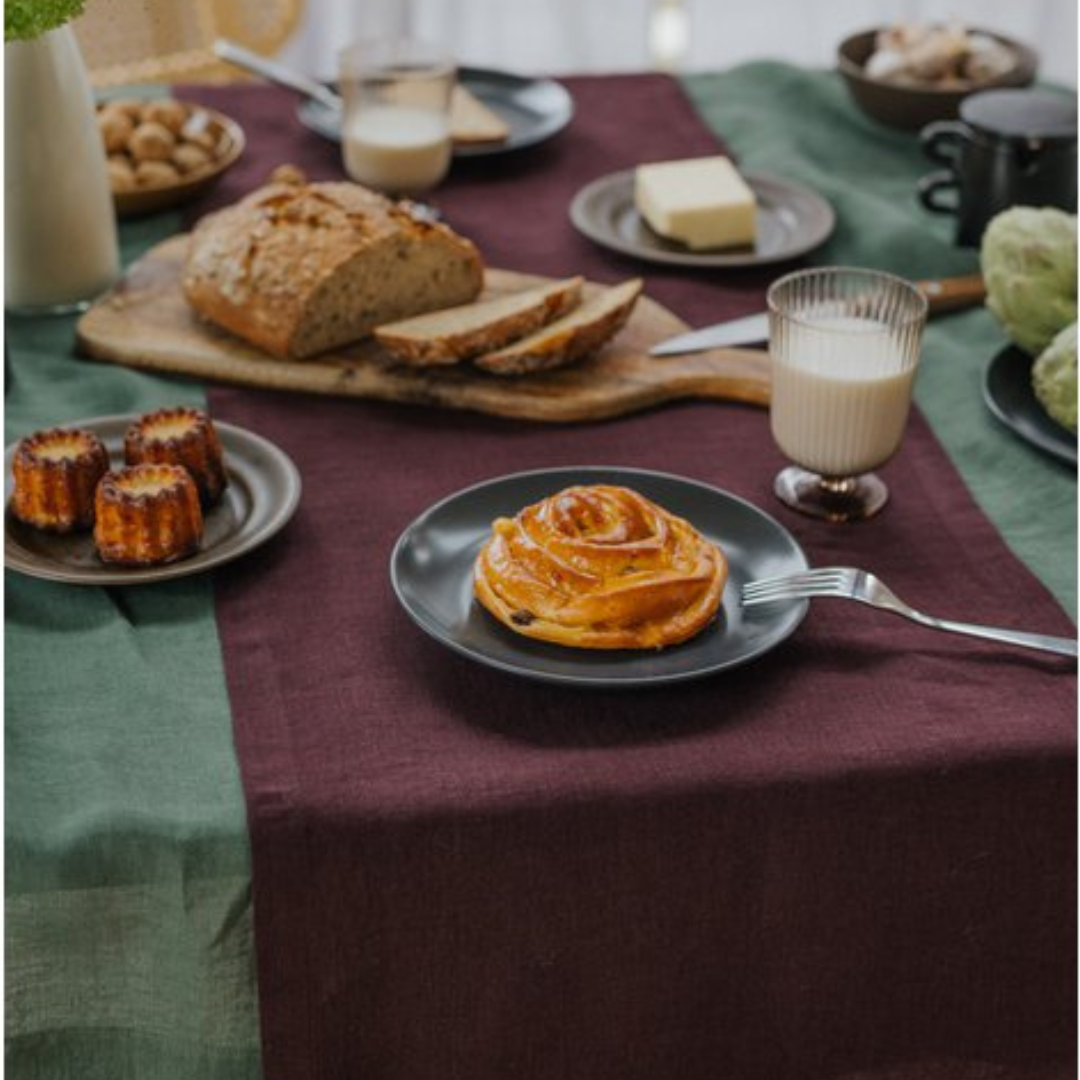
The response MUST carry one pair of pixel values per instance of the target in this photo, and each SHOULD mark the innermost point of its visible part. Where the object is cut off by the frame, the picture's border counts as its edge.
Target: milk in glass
(840, 394)
(399, 149)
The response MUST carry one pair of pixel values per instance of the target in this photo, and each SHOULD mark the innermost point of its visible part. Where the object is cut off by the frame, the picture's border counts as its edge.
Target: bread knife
(947, 294)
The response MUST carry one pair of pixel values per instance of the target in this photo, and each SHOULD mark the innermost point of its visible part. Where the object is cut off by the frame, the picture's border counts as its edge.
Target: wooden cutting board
(144, 322)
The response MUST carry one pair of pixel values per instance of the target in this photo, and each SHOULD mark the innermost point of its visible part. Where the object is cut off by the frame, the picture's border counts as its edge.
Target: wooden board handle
(953, 294)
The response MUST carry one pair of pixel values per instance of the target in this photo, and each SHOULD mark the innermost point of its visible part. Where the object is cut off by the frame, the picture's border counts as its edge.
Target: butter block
(701, 202)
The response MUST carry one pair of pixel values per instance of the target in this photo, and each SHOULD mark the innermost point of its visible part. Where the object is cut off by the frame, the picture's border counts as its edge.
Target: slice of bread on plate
(589, 326)
(297, 268)
(459, 333)
(472, 122)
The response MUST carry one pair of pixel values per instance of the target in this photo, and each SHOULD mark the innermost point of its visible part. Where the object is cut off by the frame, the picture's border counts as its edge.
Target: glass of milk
(845, 346)
(395, 133)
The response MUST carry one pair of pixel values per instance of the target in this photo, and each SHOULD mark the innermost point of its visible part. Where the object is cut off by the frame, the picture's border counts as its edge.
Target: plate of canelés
(132, 498)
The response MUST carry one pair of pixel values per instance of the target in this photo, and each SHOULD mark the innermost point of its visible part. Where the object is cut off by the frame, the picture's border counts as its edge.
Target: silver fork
(851, 584)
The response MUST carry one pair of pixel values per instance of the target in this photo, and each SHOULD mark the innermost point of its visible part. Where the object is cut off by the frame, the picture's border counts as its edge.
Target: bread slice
(570, 338)
(297, 268)
(471, 121)
(458, 333)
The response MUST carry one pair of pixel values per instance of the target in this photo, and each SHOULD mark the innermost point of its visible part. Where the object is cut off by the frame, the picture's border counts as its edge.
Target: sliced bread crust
(570, 338)
(458, 333)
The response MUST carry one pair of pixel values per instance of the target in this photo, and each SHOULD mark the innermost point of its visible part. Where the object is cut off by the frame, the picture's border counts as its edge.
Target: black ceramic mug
(1009, 148)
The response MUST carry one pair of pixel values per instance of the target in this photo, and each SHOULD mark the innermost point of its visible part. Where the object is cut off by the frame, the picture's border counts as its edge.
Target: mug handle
(935, 182)
(940, 140)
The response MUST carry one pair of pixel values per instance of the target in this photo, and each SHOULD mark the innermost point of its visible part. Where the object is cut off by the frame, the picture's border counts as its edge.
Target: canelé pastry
(147, 514)
(56, 472)
(180, 436)
(600, 567)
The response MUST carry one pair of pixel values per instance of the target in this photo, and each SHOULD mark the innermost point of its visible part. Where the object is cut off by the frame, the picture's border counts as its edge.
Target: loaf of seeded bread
(459, 333)
(299, 268)
(574, 336)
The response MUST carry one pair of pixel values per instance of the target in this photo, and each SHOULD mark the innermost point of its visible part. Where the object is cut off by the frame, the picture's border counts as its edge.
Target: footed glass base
(848, 498)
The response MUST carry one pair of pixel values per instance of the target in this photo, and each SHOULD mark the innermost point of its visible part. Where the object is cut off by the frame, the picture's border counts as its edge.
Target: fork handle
(1062, 646)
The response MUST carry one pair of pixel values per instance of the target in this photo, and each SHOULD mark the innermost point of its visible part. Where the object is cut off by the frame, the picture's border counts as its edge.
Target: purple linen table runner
(855, 853)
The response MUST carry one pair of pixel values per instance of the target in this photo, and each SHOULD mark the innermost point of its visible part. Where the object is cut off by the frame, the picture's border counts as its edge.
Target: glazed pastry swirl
(600, 567)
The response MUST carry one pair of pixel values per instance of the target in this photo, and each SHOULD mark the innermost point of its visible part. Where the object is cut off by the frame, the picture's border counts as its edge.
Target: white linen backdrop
(578, 36)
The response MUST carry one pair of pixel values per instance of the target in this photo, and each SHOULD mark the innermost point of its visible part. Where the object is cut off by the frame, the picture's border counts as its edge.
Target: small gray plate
(1008, 392)
(533, 109)
(791, 220)
(263, 493)
(432, 573)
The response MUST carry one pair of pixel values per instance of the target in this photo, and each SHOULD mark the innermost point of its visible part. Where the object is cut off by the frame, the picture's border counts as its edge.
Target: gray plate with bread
(531, 111)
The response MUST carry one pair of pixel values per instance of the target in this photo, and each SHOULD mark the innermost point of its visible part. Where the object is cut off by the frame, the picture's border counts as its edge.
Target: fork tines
(826, 581)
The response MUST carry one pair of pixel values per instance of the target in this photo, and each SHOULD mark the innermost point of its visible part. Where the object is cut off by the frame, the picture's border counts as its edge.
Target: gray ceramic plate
(533, 109)
(1008, 392)
(791, 221)
(432, 573)
(263, 492)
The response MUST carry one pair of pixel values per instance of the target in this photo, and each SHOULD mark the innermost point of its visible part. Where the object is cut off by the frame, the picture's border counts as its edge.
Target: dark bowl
(912, 107)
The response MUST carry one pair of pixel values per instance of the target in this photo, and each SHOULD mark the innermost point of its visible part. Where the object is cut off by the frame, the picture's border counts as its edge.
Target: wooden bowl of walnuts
(162, 152)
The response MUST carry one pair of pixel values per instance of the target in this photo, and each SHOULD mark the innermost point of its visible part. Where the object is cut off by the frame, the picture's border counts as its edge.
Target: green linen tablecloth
(129, 932)
(128, 915)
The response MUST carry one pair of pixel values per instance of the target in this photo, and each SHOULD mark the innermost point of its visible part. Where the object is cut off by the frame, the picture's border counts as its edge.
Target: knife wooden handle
(953, 294)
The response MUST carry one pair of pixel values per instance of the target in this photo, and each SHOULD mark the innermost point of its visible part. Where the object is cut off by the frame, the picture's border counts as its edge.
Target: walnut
(288, 174)
(121, 174)
(189, 158)
(204, 139)
(151, 141)
(116, 128)
(198, 129)
(170, 114)
(155, 174)
(131, 108)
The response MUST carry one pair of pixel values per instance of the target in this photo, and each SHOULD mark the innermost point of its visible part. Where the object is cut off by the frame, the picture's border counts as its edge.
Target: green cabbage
(1029, 263)
(1053, 377)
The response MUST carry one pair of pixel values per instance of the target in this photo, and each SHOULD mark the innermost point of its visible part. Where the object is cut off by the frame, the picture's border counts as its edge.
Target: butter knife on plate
(946, 294)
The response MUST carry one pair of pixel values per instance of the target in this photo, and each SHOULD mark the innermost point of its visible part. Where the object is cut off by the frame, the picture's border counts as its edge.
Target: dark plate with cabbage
(1028, 259)
(1007, 387)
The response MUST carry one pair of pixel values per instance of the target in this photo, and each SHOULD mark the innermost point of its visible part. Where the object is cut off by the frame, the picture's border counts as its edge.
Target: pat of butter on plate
(701, 202)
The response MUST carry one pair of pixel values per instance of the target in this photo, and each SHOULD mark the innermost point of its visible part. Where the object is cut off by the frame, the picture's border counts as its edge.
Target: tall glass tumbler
(845, 346)
(396, 129)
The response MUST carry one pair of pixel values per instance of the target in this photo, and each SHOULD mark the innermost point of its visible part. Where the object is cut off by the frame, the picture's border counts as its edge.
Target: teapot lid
(1021, 114)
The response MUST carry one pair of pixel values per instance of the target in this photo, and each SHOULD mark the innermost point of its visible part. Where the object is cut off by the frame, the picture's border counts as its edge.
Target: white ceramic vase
(60, 237)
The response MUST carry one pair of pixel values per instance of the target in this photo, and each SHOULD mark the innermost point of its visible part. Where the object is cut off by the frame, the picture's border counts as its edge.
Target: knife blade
(746, 331)
(947, 294)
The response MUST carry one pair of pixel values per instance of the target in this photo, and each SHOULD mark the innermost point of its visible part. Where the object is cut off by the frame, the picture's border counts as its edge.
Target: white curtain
(578, 36)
